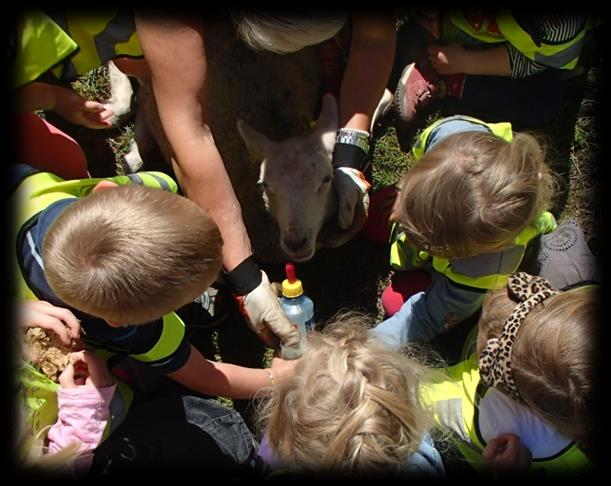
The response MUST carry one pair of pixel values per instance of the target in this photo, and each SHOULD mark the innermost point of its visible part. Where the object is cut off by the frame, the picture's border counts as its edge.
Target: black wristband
(345, 155)
(244, 278)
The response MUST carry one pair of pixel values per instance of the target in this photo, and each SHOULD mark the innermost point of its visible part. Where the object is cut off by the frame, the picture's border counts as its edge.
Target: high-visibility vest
(41, 46)
(484, 271)
(33, 194)
(503, 27)
(455, 401)
(71, 43)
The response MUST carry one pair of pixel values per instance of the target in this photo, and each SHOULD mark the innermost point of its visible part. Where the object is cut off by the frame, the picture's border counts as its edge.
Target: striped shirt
(555, 28)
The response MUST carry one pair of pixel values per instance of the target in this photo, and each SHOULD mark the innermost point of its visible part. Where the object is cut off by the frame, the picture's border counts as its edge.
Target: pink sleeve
(82, 418)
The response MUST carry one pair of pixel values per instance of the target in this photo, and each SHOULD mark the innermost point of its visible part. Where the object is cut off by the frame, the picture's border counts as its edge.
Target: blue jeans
(178, 432)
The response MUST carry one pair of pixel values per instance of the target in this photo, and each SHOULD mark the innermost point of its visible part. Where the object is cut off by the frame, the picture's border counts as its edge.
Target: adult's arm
(176, 53)
(372, 51)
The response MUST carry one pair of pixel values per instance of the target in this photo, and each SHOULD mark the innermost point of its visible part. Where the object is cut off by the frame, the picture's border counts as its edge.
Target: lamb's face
(297, 187)
(296, 181)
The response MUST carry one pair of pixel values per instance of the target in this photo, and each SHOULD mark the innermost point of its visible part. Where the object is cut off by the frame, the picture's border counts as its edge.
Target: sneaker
(413, 92)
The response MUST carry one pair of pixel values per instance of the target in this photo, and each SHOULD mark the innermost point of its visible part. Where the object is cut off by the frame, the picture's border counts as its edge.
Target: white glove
(351, 186)
(262, 310)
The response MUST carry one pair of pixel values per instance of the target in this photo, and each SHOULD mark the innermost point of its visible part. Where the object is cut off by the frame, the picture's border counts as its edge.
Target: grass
(585, 164)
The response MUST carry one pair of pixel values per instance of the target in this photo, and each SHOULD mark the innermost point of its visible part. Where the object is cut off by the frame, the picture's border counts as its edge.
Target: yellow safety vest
(503, 27)
(455, 401)
(33, 194)
(41, 45)
(71, 44)
(484, 271)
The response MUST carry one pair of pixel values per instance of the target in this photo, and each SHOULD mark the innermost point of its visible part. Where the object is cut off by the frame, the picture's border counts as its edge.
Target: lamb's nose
(296, 245)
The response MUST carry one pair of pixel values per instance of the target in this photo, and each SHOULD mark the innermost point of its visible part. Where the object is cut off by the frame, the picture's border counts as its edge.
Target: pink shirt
(82, 418)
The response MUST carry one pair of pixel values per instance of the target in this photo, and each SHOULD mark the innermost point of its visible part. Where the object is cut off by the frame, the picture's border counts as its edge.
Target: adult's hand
(351, 187)
(263, 312)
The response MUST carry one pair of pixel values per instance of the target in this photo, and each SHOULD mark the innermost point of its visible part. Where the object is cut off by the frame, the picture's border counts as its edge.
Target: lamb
(296, 184)
(296, 179)
(279, 95)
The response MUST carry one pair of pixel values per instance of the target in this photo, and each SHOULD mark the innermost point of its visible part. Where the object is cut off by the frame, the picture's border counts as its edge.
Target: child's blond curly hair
(352, 404)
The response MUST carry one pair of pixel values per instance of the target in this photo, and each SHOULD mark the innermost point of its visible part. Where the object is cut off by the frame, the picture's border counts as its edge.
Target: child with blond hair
(531, 383)
(351, 406)
(84, 421)
(122, 254)
(464, 215)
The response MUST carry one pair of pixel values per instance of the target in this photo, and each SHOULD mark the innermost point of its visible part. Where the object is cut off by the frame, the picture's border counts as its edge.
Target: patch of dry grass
(585, 164)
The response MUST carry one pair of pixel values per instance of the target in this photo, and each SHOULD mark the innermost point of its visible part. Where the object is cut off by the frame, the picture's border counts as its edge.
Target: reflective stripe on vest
(454, 400)
(41, 45)
(484, 271)
(171, 336)
(506, 28)
(41, 189)
(101, 36)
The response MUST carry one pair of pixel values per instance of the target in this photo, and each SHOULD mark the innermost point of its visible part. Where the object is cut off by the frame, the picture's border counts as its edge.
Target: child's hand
(283, 368)
(507, 453)
(85, 369)
(449, 59)
(38, 313)
(80, 111)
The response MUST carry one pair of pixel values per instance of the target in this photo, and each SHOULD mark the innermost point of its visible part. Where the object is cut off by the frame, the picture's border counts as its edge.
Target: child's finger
(494, 448)
(69, 319)
(99, 376)
(66, 377)
(52, 323)
(93, 106)
(105, 114)
(92, 120)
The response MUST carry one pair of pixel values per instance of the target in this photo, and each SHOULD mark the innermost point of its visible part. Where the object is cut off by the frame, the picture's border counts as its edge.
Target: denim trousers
(178, 432)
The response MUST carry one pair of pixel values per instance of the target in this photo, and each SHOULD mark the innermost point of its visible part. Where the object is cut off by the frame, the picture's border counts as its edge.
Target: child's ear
(100, 186)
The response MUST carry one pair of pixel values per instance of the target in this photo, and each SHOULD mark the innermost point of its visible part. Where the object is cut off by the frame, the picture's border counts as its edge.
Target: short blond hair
(474, 192)
(352, 404)
(131, 254)
(553, 358)
(284, 33)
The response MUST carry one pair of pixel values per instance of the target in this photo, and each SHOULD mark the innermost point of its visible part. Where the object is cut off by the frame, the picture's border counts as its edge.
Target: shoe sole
(400, 91)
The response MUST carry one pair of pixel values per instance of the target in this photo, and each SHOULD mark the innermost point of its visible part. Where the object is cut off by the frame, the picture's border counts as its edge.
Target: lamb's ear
(326, 127)
(258, 143)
